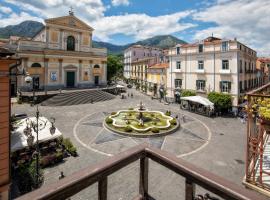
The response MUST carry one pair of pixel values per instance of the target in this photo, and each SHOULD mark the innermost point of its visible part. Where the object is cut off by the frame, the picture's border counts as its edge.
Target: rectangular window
(200, 64)
(225, 64)
(200, 85)
(225, 86)
(178, 65)
(241, 70)
(200, 48)
(177, 83)
(224, 46)
(240, 86)
(177, 50)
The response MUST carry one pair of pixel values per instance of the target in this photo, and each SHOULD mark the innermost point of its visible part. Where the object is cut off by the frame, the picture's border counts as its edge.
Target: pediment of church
(69, 21)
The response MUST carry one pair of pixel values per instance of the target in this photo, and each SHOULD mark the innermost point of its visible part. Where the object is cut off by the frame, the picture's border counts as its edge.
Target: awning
(200, 100)
(19, 139)
(120, 86)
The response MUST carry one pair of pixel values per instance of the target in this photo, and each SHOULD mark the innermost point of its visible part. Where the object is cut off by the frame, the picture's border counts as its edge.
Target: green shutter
(220, 85)
(229, 85)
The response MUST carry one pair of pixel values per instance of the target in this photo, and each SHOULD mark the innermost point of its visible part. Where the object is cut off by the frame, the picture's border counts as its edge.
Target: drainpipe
(214, 68)
(171, 71)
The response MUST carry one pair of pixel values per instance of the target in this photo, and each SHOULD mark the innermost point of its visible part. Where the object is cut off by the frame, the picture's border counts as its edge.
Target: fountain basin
(141, 123)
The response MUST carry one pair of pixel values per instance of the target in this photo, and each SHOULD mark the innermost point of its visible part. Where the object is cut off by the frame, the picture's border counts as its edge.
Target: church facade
(61, 56)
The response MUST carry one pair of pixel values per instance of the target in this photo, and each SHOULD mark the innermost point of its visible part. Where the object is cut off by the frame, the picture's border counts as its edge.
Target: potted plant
(265, 117)
(261, 109)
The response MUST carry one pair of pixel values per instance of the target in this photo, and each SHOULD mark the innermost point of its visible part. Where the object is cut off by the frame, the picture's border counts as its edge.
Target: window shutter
(197, 83)
(220, 85)
(229, 86)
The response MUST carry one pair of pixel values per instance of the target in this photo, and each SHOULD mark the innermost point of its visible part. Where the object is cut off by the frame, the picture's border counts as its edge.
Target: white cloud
(14, 18)
(120, 2)
(140, 26)
(85, 9)
(247, 20)
(5, 10)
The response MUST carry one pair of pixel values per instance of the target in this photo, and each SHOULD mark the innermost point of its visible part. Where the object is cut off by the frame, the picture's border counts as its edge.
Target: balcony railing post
(190, 190)
(144, 166)
(102, 189)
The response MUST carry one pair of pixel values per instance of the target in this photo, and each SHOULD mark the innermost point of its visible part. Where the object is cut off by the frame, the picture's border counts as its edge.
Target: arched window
(96, 66)
(70, 43)
(35, 65)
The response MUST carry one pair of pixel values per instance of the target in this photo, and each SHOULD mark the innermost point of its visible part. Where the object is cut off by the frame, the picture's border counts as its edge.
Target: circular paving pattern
(92, 134)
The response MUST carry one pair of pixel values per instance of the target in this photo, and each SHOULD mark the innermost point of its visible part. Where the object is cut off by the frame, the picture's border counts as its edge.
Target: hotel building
(213, 64)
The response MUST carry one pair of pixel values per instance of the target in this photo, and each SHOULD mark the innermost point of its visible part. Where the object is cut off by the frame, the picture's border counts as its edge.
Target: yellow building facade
(157, 76)
(61, 56)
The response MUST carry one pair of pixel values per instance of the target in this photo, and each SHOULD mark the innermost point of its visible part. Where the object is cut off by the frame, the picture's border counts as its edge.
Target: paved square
(215, 144)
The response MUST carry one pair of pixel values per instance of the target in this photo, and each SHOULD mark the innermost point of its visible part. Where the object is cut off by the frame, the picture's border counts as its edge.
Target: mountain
(161, 41)
(30, 28)
(112, 48)
(24, 29)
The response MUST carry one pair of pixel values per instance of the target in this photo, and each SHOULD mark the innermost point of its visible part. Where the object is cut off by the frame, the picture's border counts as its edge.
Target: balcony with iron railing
(258, 141)
(215, 185)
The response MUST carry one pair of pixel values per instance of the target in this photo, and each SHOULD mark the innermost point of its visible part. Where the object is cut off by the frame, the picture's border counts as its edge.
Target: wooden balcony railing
(80, 180)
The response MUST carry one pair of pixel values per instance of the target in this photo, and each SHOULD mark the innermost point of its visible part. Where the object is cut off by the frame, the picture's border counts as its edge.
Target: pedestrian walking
(61, 176)
(184, 118)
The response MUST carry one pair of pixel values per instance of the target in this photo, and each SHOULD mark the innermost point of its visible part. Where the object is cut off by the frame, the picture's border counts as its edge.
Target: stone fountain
(141, 109)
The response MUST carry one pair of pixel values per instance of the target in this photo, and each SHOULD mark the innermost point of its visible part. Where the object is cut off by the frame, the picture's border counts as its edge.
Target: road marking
(83, 144)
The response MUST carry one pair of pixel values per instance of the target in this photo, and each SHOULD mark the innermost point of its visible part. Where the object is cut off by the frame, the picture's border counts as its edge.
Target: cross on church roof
(71, 12)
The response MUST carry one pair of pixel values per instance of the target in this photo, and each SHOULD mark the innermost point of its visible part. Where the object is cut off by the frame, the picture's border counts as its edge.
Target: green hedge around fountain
(141, 123)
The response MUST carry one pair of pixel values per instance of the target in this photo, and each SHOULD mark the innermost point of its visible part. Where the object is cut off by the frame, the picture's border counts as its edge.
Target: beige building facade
(263, 65)
(213, 64)
(61, 56)
(138, 54)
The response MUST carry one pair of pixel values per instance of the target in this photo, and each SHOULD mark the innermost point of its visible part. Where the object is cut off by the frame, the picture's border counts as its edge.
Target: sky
(126, 21)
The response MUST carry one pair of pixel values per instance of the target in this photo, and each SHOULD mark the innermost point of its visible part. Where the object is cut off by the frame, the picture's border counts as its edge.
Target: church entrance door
(70, 79)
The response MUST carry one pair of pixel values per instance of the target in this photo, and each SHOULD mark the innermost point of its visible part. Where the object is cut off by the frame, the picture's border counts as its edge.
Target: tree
(114, 66)
(223, 102)
(187, 93)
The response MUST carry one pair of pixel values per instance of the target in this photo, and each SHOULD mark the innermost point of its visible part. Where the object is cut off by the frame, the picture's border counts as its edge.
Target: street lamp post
(36, 128)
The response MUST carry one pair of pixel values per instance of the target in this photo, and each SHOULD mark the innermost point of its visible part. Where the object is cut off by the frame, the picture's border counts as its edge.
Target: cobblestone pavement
(215, 144)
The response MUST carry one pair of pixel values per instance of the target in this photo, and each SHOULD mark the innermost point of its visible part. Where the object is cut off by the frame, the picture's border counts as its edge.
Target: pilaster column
(80, 42)
(104, 66)
(90, 40)
(61, 39)
(80, 70)
(60, 71)
(46, 75)
(47, 37)
(91, 70)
